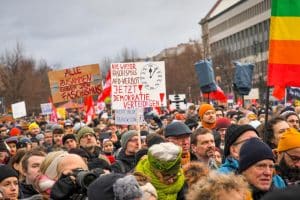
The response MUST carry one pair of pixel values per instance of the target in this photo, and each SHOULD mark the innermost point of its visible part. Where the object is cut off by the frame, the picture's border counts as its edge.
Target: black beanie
(253, 151)
(68, 136)
(6, 172)
(102, 187)
(233, 132)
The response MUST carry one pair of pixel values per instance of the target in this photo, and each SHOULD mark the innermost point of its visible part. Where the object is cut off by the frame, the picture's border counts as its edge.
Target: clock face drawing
(151, 76)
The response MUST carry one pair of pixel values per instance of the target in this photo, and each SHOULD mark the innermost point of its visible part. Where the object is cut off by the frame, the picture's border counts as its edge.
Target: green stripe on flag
(285, 8)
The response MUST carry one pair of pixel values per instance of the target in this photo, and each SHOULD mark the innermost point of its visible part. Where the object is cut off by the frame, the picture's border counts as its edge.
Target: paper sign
(129, 117)
(19, 109)
(73, 83)
(46, 108)
(138, 85)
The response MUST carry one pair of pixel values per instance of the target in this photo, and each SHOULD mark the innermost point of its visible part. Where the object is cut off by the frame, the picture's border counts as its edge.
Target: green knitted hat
(83, 131)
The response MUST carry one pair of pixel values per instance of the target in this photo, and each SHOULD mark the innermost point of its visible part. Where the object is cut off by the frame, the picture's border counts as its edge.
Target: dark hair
(33, 152)
(17, 158)
(199, 131)
(269, 129)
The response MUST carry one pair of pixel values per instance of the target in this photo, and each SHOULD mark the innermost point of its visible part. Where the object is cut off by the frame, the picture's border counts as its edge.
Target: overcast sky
(77, 32)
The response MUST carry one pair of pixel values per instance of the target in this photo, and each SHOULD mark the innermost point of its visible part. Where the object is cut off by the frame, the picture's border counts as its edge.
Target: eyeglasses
(295, 159)
(293, 121)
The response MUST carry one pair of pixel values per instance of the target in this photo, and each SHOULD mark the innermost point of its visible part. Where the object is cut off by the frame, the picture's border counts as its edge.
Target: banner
(293, 93)
(138, 85)
(18, 109)
(46, 108)
(73, 83)
(129, 117)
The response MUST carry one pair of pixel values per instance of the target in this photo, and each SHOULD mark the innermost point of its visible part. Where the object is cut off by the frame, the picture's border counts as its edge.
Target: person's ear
(233, 152)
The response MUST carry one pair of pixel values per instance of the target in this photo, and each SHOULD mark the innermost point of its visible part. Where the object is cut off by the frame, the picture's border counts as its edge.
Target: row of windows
(241, 17)
(250, 41)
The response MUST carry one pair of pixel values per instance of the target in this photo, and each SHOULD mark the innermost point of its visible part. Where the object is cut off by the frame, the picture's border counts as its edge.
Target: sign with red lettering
(73, 83)
(138, 85)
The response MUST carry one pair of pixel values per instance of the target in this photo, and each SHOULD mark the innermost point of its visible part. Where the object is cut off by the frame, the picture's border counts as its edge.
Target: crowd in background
(206, 152)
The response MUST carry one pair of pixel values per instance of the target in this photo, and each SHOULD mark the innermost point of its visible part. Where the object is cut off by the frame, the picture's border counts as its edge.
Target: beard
(290, 174)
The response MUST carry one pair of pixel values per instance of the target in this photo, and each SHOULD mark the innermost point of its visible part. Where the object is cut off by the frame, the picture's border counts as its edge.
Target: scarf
(185, 158)
(165, 192)
(208, 125)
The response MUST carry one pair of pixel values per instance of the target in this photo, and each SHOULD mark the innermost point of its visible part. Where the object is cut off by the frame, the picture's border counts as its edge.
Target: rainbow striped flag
(284, 48)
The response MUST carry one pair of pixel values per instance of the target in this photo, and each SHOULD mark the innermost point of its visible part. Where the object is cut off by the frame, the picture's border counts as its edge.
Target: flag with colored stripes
(284, 48)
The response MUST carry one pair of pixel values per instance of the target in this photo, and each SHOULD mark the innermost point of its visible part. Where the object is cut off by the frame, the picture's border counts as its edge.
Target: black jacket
(124, 163)
(27, 190)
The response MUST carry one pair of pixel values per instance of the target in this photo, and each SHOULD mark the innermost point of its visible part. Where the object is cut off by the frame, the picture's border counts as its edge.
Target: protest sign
(129, 117)
(46, 108)
(138, 85)
(73, 83)
(19, 109)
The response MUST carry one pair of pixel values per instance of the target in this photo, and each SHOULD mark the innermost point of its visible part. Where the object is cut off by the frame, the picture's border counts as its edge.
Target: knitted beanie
(165, 157)
(253, 151)
(203, 108)
(102, 187)
(127, 188)
(83, 131)
(32, 126)
(6, 172)
(127, 136)
(68, 136)
(290, 139)
(232, 134)
(222, 122)
(15, 132)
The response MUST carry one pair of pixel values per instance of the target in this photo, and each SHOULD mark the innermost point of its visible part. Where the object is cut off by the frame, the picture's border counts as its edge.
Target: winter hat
(40, 137)
(102, 187)
(7, 172)
(33, 125)
(83, 131)
(203, 108)
(3, 147)
(12, 140)
(154, 138)
(68, 122)
(253, 151)
(127, 136)
(165, 157)
(290, 139)
(148, 191)
(179, 116)
(57, 129)
(290, 193)
(68, 136)
(232, 134)
(23, 142)
(82, 153)
(15, 132)
(222, 122)
(127, 188)
(177, 129)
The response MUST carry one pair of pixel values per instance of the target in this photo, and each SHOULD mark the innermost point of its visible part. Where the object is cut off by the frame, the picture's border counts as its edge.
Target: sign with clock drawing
(138, 85)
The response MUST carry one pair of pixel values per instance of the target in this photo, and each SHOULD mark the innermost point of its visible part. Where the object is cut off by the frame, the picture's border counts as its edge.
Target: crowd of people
(206, 152)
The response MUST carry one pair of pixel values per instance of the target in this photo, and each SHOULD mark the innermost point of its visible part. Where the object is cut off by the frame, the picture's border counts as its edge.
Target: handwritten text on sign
(75, 82)
(138, 85)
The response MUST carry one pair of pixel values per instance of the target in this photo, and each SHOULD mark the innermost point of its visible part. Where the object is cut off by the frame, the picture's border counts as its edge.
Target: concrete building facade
(239, 29)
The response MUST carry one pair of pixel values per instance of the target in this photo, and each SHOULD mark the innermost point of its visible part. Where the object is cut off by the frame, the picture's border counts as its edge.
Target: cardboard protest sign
(46, 108)
(129, 117)
(138, 85)
(73, 83)
(19, 109)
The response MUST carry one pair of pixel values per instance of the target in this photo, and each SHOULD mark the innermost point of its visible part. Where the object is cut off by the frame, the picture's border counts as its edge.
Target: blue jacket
(231, 165)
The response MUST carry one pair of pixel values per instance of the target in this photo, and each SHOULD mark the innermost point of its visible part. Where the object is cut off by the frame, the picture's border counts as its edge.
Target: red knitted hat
(222, 122)
(15, 132)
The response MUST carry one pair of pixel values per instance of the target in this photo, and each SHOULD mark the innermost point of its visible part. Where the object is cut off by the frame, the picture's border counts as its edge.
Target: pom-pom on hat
(290, 139)
(203, 108)
(253, 151)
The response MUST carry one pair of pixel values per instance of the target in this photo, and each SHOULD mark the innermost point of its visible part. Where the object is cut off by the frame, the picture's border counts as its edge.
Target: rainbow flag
(284, 48)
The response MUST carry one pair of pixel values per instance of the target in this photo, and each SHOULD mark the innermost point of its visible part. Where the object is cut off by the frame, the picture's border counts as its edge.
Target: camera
(84, 177)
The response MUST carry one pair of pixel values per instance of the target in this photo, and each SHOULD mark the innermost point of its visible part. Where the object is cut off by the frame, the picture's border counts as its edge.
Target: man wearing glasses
(289, 156)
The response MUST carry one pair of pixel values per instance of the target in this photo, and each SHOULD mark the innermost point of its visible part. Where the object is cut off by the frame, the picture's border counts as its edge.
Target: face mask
(291, 174)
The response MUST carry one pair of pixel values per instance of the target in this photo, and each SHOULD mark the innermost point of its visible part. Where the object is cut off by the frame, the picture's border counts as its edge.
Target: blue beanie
(253, 151)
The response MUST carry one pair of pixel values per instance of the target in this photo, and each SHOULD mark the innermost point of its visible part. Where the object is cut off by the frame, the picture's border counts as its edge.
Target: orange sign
(73, 83)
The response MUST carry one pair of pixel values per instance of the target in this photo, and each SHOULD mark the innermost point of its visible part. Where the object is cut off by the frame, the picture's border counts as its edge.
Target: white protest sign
(129, 117)
(18, 109)
(46, 108)
(178, 101)
(138, 85)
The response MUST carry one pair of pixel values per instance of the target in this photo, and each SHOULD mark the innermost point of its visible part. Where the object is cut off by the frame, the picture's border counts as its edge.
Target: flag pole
(267, 113)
